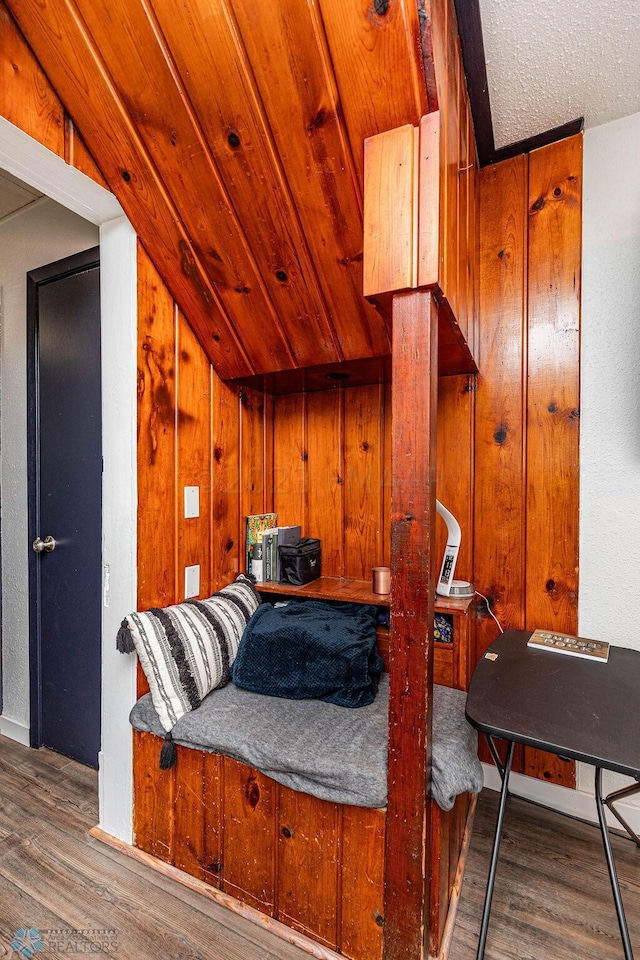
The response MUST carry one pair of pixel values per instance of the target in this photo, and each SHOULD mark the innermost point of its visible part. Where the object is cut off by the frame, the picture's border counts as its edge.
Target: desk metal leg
(623, 794)
(494, 853)
(613, 876)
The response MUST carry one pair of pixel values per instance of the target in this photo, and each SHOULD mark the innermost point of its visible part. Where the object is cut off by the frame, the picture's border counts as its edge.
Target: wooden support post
(415, 370)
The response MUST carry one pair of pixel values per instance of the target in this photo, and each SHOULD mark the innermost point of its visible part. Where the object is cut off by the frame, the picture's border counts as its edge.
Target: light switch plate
(191, 581)
(191, 502)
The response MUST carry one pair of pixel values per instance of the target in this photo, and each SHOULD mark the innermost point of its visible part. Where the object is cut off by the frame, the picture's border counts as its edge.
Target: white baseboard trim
(574, 802)
(14, 730)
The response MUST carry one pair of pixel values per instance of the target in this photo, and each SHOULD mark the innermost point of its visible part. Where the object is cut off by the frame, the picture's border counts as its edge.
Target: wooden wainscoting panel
(189, 814)
(213, 822)
(249, 837)
(153, 798)
(438, 873)
(443, 662)
(309, 845)
(362, 883)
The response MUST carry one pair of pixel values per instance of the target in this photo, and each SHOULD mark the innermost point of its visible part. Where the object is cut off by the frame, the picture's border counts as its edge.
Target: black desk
(575, 708)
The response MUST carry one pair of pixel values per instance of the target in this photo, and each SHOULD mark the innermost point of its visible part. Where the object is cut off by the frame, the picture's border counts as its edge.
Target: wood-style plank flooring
(552, 899)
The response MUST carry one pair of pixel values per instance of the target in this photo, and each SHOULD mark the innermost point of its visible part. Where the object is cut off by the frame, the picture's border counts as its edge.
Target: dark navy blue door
(64, 302)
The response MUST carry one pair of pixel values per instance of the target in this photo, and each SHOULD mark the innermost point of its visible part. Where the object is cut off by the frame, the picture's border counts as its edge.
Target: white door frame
(37, 166)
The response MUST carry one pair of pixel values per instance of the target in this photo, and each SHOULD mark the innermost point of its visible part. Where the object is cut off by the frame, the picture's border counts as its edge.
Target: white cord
(491, 613)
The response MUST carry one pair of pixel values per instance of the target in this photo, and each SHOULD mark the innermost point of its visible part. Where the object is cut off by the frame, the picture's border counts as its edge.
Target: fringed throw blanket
(311, 649)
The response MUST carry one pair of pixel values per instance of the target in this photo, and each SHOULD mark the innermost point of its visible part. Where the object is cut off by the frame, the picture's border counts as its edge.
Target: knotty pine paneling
(190, 811)
(316, 865)
(309, 854)
(220, 86)
(249, 815)
(157, 453)
(527, 405)
(375, 43)
(363, 833)
(232, 136)
(331, 473)
(455, 465)
(77, 155)
(193, 430)
(294, 78)
(28, 101)
(553, 403)
(153, 798)
(458, 240)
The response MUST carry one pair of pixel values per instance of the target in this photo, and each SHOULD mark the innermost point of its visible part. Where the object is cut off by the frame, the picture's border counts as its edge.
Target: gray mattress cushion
(331, 752)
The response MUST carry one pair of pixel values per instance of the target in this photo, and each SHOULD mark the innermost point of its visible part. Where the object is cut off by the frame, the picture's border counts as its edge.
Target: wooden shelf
(355, 591)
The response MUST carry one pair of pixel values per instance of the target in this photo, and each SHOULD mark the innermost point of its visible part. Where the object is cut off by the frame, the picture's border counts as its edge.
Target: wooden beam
(414, 367)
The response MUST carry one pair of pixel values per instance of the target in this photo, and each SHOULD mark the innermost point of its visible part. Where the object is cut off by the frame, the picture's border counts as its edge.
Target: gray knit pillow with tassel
(186, 651)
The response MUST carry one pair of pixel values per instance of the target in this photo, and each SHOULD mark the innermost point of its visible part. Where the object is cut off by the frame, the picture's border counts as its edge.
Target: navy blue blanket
(311, 649)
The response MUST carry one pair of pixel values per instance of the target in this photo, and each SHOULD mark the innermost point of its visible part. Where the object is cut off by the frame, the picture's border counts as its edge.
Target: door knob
(47, 545)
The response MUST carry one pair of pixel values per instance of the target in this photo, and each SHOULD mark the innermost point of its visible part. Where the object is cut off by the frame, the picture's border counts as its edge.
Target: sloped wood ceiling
(231, 132)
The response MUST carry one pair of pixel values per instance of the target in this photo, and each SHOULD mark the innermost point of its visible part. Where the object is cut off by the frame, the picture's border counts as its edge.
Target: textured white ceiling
(551, 61)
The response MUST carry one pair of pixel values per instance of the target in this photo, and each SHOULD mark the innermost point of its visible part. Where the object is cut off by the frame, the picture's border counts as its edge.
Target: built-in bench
(331, 752)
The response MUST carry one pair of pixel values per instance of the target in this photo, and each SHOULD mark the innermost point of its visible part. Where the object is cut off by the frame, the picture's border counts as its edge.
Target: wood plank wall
(28, 100)
(193, 430)
(522, 420)
(331, 468)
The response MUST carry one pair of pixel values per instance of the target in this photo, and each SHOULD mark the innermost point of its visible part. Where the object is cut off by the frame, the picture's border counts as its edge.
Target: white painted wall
(610, 417)
(32, 237)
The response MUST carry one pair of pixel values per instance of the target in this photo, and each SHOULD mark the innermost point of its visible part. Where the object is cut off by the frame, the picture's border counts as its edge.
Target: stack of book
(264, 537)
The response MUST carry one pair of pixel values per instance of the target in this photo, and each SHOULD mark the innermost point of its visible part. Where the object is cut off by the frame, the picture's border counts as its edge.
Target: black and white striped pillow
(187, 650)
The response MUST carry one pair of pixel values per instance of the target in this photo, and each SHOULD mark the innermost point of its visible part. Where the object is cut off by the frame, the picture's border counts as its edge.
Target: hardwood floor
(552, 899)
(54, 876)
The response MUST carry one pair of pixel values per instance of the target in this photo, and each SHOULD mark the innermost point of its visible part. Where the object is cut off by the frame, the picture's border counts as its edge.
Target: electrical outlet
(191, 502)
(191, 581)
